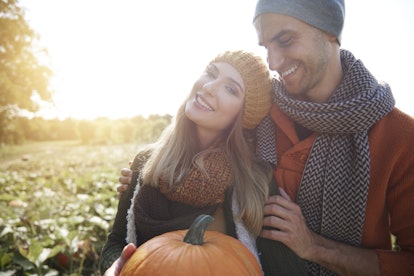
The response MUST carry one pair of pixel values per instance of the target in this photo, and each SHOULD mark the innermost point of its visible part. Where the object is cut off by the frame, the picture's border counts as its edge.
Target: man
(343, 155)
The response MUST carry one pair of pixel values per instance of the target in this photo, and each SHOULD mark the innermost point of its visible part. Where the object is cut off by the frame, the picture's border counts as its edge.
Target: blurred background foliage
(58, 178)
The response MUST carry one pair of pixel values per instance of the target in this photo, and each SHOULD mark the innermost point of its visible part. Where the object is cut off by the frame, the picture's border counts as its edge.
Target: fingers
(125, 180)
(117, 266)
(121, 189)
(274, 234)
(126, 172)
(284, 194)
(275, 204)
(281, 213)
(275, 223)
(125, 177)
(127, 252)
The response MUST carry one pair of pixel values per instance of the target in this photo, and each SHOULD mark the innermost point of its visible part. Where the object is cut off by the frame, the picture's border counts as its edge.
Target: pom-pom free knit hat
(257, 82)
(326, 15)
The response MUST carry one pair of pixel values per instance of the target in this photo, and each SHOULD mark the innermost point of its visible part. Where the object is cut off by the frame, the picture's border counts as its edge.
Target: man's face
(300, 53)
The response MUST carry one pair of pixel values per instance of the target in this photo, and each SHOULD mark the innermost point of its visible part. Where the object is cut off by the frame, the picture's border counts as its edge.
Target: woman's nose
(210, 88)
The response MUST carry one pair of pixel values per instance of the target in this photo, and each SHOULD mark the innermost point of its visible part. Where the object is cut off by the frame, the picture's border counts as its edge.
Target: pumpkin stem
(195, 235)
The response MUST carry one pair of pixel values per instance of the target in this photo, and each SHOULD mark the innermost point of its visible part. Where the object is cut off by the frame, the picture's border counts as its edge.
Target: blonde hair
(173, 155)
(176, 151)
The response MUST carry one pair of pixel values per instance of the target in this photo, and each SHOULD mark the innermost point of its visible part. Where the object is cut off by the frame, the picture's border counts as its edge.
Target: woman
(204, 163)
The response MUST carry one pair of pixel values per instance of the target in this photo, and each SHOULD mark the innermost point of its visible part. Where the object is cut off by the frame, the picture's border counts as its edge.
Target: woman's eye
(231, 90)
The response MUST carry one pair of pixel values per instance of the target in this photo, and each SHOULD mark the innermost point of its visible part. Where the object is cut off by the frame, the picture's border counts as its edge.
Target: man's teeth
(290, 71)
(204, 104)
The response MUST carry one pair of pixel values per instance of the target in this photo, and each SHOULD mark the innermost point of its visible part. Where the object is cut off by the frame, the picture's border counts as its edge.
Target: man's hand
(286, 216)
(117, 266)
(124, 180)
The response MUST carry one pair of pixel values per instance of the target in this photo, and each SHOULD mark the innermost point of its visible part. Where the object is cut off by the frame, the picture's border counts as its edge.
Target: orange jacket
(390, 203)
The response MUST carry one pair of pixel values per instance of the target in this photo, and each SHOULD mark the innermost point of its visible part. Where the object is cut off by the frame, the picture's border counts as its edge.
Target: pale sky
(129, 57)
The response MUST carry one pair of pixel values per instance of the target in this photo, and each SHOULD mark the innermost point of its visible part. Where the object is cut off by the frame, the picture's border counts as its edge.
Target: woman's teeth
(204, 104)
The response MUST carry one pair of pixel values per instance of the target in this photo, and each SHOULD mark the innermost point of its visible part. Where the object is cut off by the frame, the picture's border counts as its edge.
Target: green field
(57, 202)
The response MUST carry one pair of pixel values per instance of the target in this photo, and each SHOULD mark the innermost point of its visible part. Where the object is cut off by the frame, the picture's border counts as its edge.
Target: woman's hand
(117, 266)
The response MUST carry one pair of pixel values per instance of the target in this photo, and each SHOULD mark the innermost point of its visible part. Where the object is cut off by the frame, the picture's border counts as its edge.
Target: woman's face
(216, 99)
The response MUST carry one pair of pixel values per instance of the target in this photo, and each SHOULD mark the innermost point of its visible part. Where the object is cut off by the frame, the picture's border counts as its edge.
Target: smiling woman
(131, 58)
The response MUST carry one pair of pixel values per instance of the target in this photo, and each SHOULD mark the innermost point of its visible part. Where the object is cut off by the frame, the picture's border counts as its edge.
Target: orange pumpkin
(192, 252)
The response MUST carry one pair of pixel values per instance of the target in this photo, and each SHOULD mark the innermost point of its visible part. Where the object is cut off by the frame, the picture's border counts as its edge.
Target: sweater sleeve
(399, 197)
(400, 203)
(117, 237)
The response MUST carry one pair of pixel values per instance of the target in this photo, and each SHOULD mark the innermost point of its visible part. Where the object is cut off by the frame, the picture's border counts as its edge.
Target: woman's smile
(201, 102)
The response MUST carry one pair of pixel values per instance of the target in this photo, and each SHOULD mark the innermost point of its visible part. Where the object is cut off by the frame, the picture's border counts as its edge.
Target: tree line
(97, 131)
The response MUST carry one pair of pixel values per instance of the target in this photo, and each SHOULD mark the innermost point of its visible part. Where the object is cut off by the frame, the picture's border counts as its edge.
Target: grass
(57, 200)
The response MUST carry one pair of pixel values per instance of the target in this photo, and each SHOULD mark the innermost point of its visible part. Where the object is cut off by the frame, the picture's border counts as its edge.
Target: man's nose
(275, 58)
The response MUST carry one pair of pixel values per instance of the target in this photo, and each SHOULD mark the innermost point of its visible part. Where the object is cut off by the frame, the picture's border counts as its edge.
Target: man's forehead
(268, 25)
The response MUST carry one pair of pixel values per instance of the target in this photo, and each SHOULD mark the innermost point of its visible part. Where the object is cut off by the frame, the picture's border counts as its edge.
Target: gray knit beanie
(326, 15)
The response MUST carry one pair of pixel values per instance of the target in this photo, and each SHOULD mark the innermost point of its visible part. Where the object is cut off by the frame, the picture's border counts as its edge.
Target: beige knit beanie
(257, 82)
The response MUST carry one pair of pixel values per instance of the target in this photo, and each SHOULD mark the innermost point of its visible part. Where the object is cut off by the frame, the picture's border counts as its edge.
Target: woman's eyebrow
(236, 83)
(229, 78)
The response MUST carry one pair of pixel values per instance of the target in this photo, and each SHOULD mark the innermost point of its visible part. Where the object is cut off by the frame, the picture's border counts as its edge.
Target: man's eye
(285, 42)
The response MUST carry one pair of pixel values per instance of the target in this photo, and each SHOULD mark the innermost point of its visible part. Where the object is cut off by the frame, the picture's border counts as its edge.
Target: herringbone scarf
(334, 187)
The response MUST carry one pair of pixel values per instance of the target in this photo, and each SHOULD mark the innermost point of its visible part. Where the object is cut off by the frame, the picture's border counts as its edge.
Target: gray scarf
(334, 187)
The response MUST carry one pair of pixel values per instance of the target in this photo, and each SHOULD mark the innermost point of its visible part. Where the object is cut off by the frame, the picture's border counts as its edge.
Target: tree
(22, 76)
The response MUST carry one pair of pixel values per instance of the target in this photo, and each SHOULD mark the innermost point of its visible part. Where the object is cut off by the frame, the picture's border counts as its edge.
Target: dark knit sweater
(275, 258)
(117, 237)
